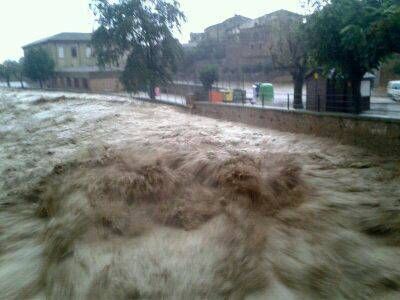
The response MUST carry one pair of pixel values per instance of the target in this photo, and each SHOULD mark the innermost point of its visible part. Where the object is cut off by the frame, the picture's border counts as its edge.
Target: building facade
(76, 65)
(245, 44)
(222, 31)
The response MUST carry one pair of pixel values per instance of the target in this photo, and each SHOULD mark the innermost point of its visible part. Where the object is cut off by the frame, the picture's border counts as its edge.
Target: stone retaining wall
(379, 134)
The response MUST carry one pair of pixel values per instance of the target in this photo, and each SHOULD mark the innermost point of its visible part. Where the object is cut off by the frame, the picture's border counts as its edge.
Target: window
(76, 83)
(88, 52)
(74, 52)
(85, 83)
(61, 52)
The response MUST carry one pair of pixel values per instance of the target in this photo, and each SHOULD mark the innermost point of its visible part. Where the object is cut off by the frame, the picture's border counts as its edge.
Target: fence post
(288, 101)
(318, 103)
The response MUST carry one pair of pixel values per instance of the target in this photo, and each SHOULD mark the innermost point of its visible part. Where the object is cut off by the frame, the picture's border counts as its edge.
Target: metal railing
(378, 106)
(177, 93)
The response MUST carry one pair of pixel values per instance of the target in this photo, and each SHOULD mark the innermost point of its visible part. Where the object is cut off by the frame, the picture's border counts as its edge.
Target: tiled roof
(263, 19)
(64, 37)
(231, 22)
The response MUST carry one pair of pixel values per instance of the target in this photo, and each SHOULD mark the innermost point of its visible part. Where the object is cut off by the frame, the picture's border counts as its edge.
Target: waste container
(216, 96)
(239, 96)
(266, 92)
(228, 95)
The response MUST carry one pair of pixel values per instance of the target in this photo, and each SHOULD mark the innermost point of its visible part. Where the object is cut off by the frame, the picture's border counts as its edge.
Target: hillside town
(243, 52)
(162, 149)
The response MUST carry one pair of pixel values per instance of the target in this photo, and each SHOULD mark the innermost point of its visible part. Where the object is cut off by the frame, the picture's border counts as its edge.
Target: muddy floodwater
(105, 197)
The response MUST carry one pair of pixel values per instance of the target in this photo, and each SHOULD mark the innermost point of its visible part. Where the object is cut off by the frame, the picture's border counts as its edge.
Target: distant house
(242, 46)
(222, 31)
(75, 64)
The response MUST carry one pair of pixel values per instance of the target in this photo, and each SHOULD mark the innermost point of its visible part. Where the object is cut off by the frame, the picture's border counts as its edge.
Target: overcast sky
(24, 21)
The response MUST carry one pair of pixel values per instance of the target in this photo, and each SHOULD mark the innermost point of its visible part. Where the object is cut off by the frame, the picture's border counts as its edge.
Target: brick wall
(380, 135)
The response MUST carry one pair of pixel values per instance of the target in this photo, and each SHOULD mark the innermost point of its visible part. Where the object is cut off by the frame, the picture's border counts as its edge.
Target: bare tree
(288, 52)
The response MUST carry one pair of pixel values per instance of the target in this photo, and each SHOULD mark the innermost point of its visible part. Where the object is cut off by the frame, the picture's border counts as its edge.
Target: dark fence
(283, 98)
(178, 92)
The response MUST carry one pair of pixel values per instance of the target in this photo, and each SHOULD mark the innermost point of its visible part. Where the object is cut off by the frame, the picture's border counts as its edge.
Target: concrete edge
(307, 112)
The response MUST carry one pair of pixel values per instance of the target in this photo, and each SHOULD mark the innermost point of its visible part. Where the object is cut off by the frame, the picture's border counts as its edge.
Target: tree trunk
(298, 91)
(152, 92)
(21, 81)
(356, 95)
(41, 84)
(8, 82)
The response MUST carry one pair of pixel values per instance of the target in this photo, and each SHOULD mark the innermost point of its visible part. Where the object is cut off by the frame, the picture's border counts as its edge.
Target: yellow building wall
(105, 85)
(68, 61)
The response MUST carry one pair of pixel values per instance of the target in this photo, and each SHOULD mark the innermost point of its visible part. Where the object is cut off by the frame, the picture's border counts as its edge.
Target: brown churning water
(107, 199)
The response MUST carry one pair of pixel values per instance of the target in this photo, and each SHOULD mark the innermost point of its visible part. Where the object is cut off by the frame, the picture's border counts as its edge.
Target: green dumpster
(266, 92)
(239, 96)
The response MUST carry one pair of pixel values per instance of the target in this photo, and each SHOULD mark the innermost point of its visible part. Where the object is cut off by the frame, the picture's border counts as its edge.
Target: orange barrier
(216, 96)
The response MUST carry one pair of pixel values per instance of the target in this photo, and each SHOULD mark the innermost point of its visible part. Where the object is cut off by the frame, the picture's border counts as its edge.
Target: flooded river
(105, 197)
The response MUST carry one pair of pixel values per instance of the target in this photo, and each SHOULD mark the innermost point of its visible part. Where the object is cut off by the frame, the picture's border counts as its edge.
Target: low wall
(378, 134)
(99, 85)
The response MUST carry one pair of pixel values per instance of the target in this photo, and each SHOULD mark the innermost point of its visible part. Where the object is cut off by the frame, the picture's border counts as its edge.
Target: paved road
(383, 106)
